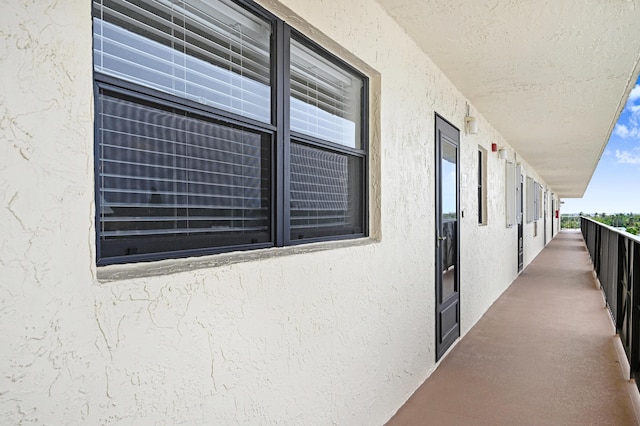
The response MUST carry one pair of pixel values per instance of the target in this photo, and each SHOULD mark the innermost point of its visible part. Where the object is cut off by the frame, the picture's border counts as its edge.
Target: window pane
(326, 193)
(326, 100)
(449, 178)
(170, 182)
(210, 52)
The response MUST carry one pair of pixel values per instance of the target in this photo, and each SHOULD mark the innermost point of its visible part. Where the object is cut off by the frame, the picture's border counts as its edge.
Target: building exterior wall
(338, 332)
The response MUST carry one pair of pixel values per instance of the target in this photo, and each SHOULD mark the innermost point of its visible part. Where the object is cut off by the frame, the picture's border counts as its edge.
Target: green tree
(569, 222)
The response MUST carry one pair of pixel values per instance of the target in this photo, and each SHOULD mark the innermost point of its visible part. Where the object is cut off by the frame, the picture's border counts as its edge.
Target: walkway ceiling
(552, 76)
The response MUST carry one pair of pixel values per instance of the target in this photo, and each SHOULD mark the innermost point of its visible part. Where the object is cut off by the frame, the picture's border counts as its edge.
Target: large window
(219, 128)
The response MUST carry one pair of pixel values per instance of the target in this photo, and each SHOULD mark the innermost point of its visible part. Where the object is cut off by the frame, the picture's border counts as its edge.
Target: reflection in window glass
(449, 178)
(326, 189)
(171, 181)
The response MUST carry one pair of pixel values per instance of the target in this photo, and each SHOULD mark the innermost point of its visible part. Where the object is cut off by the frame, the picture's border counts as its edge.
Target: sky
(615, 185)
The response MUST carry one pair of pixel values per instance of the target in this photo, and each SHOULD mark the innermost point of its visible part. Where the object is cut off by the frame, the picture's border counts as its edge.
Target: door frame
(443, 343)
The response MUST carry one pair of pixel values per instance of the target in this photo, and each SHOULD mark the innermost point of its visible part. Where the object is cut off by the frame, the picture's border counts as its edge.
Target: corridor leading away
(543, 354)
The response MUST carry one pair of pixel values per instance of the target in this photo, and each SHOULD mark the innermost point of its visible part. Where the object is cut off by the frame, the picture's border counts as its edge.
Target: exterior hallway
(544, 354)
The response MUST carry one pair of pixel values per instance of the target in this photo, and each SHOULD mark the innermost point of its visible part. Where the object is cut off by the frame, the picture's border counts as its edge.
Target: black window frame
(483, 213)
(480, 188)
(282, 137)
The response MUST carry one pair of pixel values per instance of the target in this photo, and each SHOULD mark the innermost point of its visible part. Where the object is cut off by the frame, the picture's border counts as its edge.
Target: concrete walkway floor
(544, 354)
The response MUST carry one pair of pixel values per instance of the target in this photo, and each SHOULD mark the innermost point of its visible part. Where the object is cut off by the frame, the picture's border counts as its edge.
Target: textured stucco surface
(337, 334)
(551, 75)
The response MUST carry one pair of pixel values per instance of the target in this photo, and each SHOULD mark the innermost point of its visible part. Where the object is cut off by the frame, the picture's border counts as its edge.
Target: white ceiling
(550, 75)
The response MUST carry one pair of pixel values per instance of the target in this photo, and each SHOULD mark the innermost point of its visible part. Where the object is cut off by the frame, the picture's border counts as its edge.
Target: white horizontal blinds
(530, 199)
(541, 200)
(163, 173)
(534, 197)
(326, 192)
(325, 99)
(520, 208)
(212, 52)
(510, 194)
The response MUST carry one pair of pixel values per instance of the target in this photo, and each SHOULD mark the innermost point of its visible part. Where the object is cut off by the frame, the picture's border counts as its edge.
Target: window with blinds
(327, 185)
(325, 193)
(187, 141)
(531, 200)
(324, 98)
(214, 53)
(169, 179)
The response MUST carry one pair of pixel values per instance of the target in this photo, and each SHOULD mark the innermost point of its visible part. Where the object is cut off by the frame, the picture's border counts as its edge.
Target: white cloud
(627, 157)
(630, 129)
(627, 132)
(621, 130)
(634, 95)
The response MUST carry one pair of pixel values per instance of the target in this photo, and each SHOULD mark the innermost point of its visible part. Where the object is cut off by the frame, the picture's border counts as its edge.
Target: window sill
(130, 271)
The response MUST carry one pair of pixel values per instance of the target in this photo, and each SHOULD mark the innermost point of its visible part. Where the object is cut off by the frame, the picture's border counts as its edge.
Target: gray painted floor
(543, 354)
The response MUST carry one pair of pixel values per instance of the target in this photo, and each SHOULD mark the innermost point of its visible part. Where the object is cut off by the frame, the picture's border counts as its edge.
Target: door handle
(442, 238)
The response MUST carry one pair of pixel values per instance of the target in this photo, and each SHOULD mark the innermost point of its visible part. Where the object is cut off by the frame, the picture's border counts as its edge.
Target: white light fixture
(471, 123)
(503, 153)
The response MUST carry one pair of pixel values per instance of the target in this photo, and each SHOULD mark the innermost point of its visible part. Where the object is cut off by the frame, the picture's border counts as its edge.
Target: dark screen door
(545, 218)
(553, 214)
(447, 235)
(520, 215)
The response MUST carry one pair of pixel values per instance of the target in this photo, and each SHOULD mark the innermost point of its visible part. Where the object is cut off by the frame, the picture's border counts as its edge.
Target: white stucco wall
(341, 334)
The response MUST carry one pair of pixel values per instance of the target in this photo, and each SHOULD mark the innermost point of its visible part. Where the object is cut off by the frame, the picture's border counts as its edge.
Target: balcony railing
(616, 260)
